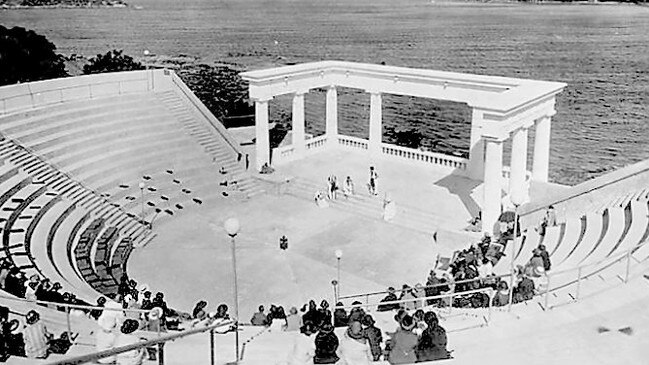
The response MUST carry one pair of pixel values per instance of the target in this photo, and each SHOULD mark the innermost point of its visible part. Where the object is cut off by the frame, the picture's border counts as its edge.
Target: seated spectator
(545, 256)
(420, 325)
(36, 337)
(432, 344)
(222, 312)
(125, 337)
(13, 338)
(147, 303)
(96, 313)
(312, 315)
(293, 320)
(199, 310)
(303, 351)
(259, 318)
(326, 344)
(105, 338)
(354, 347)
(406, 294)
(15, 282)
(325, 313)
(373, 335)
(419, 292)
(390, 297)
(357, 313)
(5, 331)
(524, 290)
(403, 342)
(340, 316)
(535, 262)
(501, 297)
(30, 287)
(278, 322)
(486, 269)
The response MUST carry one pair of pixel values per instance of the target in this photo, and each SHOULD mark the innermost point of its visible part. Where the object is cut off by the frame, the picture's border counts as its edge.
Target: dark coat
(326, 345)
(402, 347)
(325, 315)
(340, 318)
(388, 307)
(313, 316)
(356, 315)
(432, 345)
(545, 256)
(374, 338)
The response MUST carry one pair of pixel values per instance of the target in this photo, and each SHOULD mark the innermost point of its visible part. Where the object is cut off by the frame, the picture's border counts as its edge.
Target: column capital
(262, 99)
(331, 87)
(301, 92)
(494, 139)
(373, 91)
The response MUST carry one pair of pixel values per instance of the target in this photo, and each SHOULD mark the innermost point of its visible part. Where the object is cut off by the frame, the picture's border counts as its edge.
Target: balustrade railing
(427, 157)
(315, 142)
(352, 142)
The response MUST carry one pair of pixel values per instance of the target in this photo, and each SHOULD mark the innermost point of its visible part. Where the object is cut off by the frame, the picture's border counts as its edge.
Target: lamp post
(517, 200)
(146, 55)
(339, 255)
(232, 227)
(142, 186)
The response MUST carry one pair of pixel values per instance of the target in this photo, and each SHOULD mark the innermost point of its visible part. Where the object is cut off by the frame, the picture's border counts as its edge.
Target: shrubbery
(27, 56)
(112, 61)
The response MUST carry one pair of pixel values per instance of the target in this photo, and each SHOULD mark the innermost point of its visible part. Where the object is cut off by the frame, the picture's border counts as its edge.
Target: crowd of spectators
(14, 281)
(418, 338)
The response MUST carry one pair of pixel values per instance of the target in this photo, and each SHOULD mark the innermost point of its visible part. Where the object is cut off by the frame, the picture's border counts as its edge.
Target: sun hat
(129, 326)
(107, 323)
(155, 313)
(367, 320)
(407, 323)
(32, 317)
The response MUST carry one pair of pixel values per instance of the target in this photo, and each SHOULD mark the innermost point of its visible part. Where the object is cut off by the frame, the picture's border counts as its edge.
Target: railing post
(547, 291)
(578, 282)
(628, 266)
(161, 354)
(212, 357)
(67, 320)
(367, 299)
(491, 294)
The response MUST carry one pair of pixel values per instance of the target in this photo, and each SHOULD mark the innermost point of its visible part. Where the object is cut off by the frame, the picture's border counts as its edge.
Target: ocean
(600, 51)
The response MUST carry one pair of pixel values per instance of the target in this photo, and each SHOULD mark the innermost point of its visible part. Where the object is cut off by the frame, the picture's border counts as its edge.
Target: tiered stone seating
(110, 143)
(82, 254)
(591, 238)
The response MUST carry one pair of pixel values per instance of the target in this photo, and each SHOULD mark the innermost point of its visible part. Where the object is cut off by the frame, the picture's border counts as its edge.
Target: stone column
(262, 142)
(297, 127)
(541, 161)
(475, 169)
(332, 116)
(492, 186)
(518, 164)
(376, 130)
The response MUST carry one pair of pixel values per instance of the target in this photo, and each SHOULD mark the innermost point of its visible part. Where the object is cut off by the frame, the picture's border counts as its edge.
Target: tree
(27, 56)
(112, 61)
(407, 137)
(222, 91)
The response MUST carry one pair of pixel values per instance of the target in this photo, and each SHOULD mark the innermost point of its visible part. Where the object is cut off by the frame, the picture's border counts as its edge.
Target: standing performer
(372, 184)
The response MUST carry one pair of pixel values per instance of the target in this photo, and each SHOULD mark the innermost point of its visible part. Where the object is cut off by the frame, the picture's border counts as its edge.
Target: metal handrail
(144, 344)
(401, 301)
(73, 306)
(611, 261)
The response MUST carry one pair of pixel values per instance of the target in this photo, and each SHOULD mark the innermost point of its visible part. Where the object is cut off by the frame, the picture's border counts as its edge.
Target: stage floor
(190, 261)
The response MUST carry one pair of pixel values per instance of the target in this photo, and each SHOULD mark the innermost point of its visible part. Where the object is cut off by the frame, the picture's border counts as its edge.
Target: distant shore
(63, 4)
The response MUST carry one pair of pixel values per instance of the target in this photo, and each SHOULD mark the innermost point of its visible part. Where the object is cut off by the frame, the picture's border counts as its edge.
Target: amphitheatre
(130, 173)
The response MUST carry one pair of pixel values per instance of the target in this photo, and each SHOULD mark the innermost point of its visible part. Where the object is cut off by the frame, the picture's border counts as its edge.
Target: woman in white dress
(348, 187)
(389, 208)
